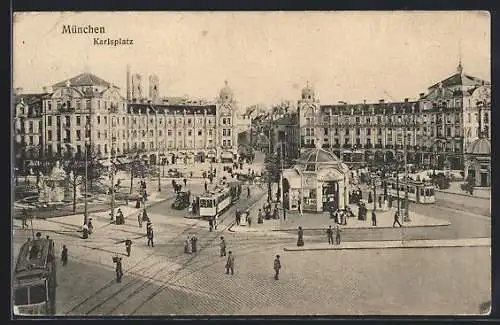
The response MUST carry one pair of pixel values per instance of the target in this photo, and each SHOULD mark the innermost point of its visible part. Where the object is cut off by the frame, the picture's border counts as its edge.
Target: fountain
(56, 187)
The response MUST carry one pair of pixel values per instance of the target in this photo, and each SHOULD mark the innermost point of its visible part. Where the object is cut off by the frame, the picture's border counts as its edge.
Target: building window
(105, 148)
(357, 120)
(151, 145)
(150, 133)
(179, 133)
(228, 143)
(98, 134)
(78, 135)
(346, 131)
(68, 121)
(209, 131)
(189, 121)
(49, 135)
(169, 133)
(368, 131)
(98, 120)
(448, 132)
(159, 133)
(105, 120)
(190, 132)
(49, 120)
(199, 132)
(325, 131)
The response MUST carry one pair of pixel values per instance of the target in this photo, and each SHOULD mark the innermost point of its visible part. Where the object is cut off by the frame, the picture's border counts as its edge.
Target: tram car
(216, 202)
(418, 191)
(35, 279)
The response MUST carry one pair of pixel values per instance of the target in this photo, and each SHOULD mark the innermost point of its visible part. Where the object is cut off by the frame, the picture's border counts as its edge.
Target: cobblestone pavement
(162, 280)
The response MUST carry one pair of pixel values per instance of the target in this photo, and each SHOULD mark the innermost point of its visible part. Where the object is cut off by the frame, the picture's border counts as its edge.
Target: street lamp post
(87, 129)
(112, 175)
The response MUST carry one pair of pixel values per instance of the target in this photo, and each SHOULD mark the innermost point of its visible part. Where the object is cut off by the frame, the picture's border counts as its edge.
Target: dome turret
(226, 93)
(308, 93)
(481, 146)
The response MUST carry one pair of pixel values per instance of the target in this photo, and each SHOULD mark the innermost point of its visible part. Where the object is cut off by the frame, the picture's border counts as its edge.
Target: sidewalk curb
(364, 227)
(390, 247)
(466, 195)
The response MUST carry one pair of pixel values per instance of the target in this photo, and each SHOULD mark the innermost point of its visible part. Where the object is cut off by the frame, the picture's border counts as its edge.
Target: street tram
(35, 279)
(418, 191)
(216, 202)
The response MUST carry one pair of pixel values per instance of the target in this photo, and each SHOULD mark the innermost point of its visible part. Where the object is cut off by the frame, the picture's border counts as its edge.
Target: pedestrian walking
(396, 219)
(85, 231)
(374, 219)
(216, 221)
(300, 240)
(329, 233)
(139, 219)
(249, 219)
(25, 219)
(118, 269)
(211, 224)
(194, 240)
(222, 245)
(151, 237)
(260, 217)
(185, 182)
(128, 246)
(300, 208)
(64, 255)
(238, 217)
(90, 226)
(277, 267)
(337, 235)
(248, 192)
(230, 263)
(206, 186)
(187, 245)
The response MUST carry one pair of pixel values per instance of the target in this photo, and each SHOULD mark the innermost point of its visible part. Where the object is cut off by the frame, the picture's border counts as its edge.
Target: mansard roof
(84, 79)
(459, 79)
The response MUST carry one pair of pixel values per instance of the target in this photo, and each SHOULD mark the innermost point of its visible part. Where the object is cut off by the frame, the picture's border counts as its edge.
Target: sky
(266, 57)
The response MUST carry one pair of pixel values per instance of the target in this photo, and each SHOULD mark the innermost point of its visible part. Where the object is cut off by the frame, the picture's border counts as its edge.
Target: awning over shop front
(104, 162)
(293, 177)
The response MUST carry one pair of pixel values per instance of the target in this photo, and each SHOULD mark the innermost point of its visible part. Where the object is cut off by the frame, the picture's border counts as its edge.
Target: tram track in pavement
(145, 284)
(128, 271)
(187, 262)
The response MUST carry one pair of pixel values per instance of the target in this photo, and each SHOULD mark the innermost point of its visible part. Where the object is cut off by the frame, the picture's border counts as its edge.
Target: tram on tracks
(35, 279)
(418, 191)
(214, 203)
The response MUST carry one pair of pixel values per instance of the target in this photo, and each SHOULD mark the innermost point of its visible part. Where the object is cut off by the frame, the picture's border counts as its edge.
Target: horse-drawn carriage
(181, 201)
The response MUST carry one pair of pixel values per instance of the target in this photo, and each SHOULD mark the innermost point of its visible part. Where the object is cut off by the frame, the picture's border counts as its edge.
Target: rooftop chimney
(421, 95)
(406, 100)
(381, 101)
(364, 101)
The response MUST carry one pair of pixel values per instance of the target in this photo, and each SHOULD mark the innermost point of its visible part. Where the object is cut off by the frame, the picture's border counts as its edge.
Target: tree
(137, 168)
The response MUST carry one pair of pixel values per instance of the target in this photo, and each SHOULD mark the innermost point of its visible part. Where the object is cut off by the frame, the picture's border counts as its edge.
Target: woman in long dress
(300, 240)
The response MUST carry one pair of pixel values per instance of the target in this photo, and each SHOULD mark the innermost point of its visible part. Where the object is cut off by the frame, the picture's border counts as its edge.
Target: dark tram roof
(171, 109)
(33, 255)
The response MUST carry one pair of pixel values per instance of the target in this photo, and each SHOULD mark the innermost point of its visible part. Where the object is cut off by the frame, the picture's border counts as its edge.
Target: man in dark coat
(396, 220)
(329, 233)
(64, 255)
(374, 219)
(277, 267)
(119, 270)
(128, 246)
(337, 237)
(151, 237)
(230, 263)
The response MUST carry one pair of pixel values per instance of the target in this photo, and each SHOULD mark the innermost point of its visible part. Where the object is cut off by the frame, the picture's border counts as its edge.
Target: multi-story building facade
(435, 130)
(87, 110)
(28, 139)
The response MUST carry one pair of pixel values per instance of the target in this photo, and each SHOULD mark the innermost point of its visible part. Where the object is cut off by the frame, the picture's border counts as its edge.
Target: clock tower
(226, 132)
(308, 108)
